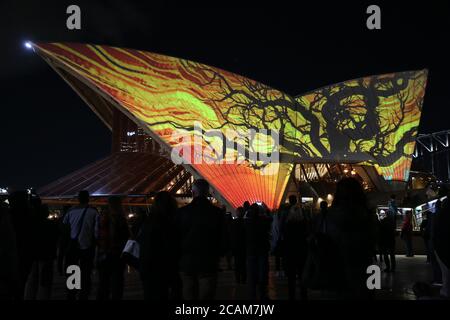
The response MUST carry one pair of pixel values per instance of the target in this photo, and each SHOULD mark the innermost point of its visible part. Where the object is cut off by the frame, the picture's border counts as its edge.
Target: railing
(417, 212)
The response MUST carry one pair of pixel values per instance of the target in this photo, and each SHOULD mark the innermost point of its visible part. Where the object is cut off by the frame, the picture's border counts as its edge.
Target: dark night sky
(47, 131)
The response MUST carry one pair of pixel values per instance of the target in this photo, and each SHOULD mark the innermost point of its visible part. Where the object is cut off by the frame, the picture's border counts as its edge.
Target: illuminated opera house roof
(370, 121)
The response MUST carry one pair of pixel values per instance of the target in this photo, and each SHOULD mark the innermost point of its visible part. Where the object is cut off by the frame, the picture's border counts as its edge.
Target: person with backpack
(82, 221)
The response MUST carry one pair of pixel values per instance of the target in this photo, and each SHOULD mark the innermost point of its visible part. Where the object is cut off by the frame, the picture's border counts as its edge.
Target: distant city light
(52, 216)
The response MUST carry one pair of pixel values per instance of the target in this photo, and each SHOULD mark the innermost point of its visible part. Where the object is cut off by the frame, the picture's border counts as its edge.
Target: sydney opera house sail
(185, 106)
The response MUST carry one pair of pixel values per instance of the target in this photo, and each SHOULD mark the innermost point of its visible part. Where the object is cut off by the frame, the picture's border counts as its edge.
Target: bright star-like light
(28, 45)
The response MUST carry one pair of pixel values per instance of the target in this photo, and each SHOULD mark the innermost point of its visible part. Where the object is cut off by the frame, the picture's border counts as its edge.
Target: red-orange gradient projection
(167, 94)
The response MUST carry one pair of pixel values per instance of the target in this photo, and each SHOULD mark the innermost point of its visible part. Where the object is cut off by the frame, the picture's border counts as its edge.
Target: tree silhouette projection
(357, 120)
(371, 120)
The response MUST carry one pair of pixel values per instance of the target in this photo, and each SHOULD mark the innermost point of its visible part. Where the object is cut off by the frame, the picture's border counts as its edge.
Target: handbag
(131, 254)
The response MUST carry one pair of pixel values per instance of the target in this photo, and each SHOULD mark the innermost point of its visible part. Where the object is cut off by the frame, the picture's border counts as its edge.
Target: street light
(28, 45)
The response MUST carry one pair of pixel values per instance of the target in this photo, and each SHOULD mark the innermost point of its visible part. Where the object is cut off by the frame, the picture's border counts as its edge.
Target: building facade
(249, 141)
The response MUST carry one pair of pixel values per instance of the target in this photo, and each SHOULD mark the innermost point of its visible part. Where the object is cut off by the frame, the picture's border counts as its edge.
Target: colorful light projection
(372, 120)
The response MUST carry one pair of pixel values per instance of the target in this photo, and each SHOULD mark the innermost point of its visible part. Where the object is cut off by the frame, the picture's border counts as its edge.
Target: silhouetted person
(200, 233)
(318, 224)
(295, 233)
(442, 245)
(392, 207)
(40, 280)
(323, 208)
(377, 233)
(112, 235)
(246, 207)
(350, 226)
(386, 240)
(407, 232)
(158, 264)
(278, 243)
(82, 220)
(228, 218)
(9, 267)
(137, 222)
(425, 233)
(22, 220)
(238, 246)
(257, 229)
(63, 240)
(432, 223)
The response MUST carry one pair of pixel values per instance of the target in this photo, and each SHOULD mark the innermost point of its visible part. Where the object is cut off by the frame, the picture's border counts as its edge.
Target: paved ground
(394, 286)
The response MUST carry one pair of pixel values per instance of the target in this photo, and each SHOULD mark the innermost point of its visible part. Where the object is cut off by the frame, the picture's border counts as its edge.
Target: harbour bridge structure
(431, 153)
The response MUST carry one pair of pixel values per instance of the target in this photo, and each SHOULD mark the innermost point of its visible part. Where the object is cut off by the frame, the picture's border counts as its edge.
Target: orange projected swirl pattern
(371, 120)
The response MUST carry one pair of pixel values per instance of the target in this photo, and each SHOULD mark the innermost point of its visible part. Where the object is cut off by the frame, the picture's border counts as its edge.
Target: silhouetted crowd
(177, 251)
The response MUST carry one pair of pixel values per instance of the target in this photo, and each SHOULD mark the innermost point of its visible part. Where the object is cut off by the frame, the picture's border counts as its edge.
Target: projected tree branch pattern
(371, 120)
